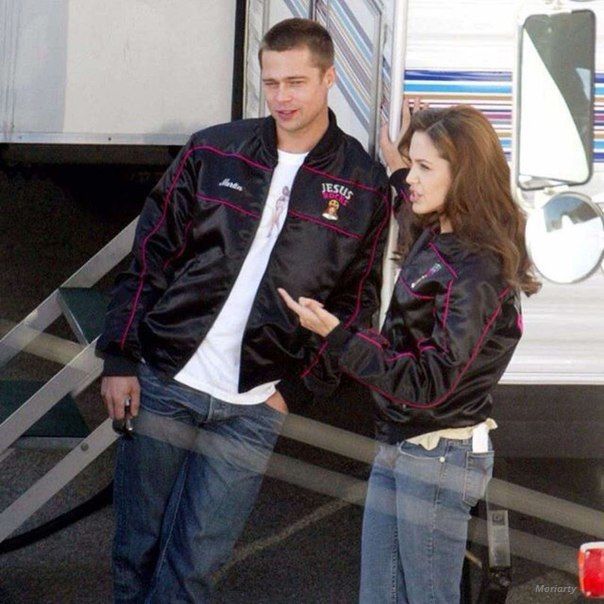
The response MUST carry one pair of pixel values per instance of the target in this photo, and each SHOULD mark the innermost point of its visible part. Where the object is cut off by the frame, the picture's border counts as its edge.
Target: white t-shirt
(214, 367)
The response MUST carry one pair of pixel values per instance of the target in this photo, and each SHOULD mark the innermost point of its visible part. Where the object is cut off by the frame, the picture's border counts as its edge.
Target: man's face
(295, 89)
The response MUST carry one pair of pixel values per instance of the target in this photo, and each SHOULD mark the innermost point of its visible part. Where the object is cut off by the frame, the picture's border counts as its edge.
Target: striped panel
(354, 54)
(354, 61)
(354, 51)
(491, 93)
(298, 8)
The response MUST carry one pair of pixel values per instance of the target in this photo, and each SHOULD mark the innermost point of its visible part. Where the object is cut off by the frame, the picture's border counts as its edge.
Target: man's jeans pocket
(282, 414)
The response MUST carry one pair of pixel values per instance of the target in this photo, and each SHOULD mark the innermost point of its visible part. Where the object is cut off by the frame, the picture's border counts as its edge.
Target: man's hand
(277, 402)
(115, 390)
(311, 313)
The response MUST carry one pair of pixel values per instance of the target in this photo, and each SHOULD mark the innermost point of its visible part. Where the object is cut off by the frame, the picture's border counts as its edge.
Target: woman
(450, 331)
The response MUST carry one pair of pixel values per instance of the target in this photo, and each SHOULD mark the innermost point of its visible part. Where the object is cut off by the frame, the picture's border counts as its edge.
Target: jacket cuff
(337, 339)
(120, 366)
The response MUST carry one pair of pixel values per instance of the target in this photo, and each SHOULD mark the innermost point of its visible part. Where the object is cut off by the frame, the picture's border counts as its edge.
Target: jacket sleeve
(160, 237)
(398, 181)
(356, 297)
(424, 375)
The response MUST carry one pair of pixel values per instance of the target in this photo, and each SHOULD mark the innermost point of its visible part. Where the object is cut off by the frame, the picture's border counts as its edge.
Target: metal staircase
(42, 415)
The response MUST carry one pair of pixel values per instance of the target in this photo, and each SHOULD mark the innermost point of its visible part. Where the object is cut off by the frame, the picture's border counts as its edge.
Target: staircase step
(62, 426)
(84, 308)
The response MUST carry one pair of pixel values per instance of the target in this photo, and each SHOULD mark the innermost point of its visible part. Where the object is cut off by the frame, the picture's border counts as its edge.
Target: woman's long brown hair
(479, 203)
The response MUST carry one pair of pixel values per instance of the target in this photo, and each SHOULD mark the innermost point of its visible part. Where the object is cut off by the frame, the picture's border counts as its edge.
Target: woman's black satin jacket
(194, 233)
(449, 334)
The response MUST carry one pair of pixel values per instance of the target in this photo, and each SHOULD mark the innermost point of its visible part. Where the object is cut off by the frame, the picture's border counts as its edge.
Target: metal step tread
(84, 308)
(63, 421)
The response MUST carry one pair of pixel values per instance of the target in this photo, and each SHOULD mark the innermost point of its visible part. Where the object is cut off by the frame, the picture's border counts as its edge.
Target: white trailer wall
(464, 52)
(114, 71)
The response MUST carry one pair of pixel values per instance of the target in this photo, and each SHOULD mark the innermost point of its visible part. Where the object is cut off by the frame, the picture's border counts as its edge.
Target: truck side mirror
(566, 237)
(555, 99)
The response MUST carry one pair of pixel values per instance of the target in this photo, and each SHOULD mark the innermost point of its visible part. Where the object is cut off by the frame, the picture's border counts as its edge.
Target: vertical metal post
(397, 61)
(514, 167)
(266, 21)
(266, 15)
(238, 84)
(376, 93)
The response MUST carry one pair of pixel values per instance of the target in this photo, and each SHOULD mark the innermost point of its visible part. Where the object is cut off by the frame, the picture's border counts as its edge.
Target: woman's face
(429, 175)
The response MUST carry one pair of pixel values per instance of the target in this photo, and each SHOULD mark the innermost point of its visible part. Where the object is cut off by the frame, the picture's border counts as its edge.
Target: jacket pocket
(478, 472)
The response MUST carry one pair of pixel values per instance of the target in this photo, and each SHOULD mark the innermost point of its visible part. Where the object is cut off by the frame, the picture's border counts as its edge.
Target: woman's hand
(390, 153)
(389, 149)
(311, 313)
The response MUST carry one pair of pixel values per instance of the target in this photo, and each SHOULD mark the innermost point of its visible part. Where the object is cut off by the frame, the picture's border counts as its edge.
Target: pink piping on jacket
(229, 204)
(243, 158)
(344, 180)
(156, 228)
(449, 267)
(183, 247)
(357, 309)
(368, 339)
(332, 227)
(447, 302)
(444, 396)
(400, 355)
(380, 346)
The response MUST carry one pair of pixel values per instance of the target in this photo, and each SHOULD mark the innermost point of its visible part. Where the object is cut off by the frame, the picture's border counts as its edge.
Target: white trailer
(149, 73)
(142, 72)
(81, 72)
(466, 53)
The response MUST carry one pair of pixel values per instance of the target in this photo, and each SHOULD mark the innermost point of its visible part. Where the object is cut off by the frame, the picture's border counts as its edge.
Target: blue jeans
(416, 517)
(184, 487)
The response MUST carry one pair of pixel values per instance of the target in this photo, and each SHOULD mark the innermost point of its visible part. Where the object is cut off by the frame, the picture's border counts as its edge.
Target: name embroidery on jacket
(231, 185)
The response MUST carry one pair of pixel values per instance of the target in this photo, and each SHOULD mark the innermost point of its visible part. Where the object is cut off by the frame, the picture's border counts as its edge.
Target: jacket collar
(420, 243)
(326, 147)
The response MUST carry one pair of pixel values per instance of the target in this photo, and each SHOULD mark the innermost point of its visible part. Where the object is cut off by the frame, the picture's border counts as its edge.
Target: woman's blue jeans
(185, 484)
(416, 521)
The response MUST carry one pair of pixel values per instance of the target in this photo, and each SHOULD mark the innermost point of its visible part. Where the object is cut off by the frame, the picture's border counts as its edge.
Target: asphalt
(299, 545)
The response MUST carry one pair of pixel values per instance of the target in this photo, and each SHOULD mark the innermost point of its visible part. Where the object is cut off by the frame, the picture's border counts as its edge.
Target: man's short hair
(297, 33)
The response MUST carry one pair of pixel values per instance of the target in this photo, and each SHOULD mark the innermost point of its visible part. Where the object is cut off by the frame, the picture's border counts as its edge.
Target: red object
(591, 569)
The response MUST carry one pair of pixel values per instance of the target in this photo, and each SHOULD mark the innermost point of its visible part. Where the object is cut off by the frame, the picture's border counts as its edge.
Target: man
(199, 319)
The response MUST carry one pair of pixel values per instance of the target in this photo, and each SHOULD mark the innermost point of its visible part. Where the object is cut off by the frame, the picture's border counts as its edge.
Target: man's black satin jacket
(194, 233)
(450, 332)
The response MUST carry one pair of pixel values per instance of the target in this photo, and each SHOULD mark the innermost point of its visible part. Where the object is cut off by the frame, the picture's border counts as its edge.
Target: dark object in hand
(124, 426)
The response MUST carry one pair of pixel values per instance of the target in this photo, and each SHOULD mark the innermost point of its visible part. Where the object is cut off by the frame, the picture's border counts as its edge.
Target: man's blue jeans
(184, 487)
(416, 521)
